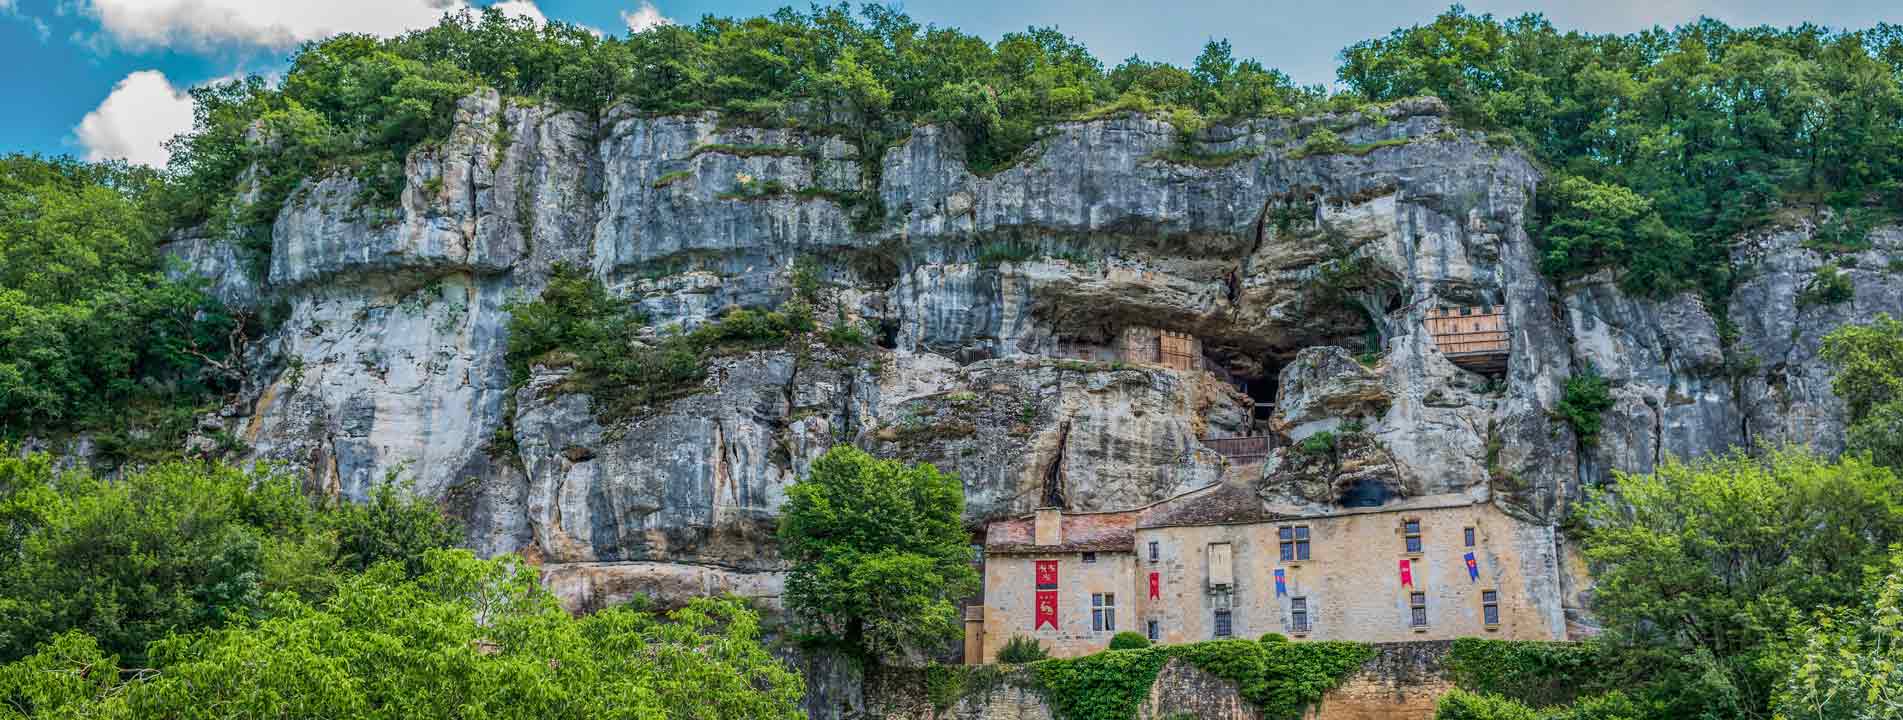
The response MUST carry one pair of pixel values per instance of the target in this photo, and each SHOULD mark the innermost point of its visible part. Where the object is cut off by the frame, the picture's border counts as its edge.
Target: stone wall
(1011, 599)
(1402, 682)
(1350, 581)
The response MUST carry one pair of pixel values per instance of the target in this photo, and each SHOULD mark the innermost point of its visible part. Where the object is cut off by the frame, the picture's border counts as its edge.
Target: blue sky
(103, 78)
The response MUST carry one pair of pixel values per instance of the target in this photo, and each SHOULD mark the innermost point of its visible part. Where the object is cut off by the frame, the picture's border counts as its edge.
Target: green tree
(89, 328)
(1869, 378)
(178, 547)
(879, 557)
(1700, 567)
(1849, 663)
(469, 638)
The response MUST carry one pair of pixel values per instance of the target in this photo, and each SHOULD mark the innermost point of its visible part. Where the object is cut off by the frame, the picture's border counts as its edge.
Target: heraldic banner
(1046, 595)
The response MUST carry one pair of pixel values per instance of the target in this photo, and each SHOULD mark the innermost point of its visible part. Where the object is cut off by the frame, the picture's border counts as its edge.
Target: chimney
(1049, 526)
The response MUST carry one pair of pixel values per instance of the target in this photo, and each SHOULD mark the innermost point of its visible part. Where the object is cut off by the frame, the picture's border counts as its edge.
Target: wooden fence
(1252, 448)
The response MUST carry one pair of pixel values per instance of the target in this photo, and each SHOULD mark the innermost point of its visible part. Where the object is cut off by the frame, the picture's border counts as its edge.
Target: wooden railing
(1469, 343)
(1253, 448)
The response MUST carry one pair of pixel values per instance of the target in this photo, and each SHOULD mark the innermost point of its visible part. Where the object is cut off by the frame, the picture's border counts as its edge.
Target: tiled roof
(1219, 504)
(1083, 532)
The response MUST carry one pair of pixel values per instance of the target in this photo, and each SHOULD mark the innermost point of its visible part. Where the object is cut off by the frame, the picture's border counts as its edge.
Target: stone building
(1217, 562)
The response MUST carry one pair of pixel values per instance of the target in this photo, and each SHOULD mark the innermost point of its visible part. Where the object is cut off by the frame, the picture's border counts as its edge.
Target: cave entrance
(1262, 388)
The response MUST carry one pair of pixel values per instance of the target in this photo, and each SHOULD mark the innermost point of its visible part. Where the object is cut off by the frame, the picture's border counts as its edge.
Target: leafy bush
(997, 253)
(577, 320)
(1127, 640)
(1868, 359)
(1021, 649)
(1279, 679)
(1587, 398)
(1274, 638)
(1538, 674)
(1829, 285)
(1459, 704)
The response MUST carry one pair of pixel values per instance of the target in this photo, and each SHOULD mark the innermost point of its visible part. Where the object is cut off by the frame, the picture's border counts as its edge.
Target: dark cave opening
(889, 333)
(1262, 388)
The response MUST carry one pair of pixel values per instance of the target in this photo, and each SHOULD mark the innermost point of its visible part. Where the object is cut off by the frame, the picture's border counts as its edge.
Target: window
(1151, 631)
(1490, 606)
(977, 554)
(1103, 612)
(1469, 533)
(1412, 529)
(1090, 557)
(1153, 552)
(1417, 605)
(1298, 615)
(1223, 627)
(1294, 541)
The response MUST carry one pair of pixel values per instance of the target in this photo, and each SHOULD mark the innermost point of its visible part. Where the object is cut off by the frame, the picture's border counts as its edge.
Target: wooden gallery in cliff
(1219, 562)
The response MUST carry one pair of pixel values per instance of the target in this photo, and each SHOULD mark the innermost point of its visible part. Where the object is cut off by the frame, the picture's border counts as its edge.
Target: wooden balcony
(1475, 338)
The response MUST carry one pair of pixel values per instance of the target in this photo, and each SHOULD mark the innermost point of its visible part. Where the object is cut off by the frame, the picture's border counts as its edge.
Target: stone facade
(1350, 582)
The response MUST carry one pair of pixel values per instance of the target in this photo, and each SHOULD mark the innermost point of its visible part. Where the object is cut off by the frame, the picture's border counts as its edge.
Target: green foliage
(1869, 377)
(1459, 704)
(468, 638)
(1845, 663)
(1280, 679)
(1273, 638)
(1587, 398)
(178, 547)
(577, 321)
(1688, 135)
(390, 525)
(879, 556)
(1021, 649)
(1829, 285)
(997, 253)
(359, 105)
(1537, 674)
(92, 335)
(1105, 686)
(1127, 640)
(1585, 225)
(1699, 568)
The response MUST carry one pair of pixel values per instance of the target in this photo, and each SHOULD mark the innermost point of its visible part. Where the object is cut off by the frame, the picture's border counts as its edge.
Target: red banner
(1047, 574)
(1156, 586)
(1046, 609)
(1407, 573)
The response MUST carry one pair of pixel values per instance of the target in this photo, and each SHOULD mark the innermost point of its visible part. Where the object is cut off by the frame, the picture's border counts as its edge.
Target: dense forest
(1744, 586)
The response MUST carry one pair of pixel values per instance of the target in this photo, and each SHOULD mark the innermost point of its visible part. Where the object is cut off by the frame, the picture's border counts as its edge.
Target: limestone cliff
(999, 301)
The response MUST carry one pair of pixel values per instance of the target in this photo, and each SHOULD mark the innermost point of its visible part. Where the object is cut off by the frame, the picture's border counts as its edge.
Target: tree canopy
(89, 327)
(180, 547)
(878, 552)
(468, 638)
(1701, 568)
(1663, 144)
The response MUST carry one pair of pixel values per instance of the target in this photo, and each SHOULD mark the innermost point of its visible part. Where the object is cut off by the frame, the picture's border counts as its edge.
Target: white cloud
(644, 17)
(133, 123)
(524, 8)
(203, 24)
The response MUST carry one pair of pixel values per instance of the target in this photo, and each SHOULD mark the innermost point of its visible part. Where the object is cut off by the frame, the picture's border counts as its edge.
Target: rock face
(998, 303)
